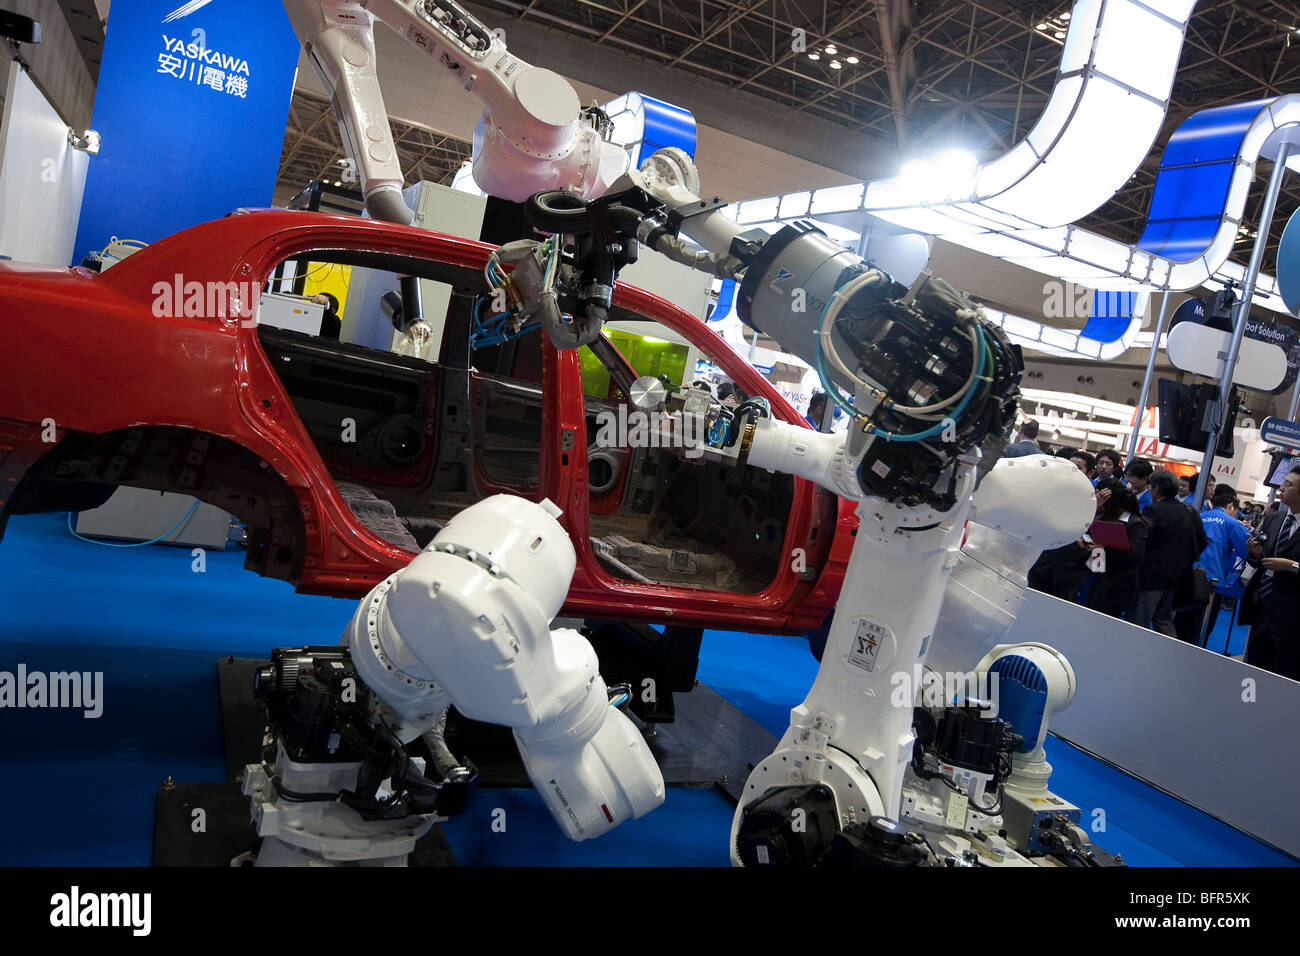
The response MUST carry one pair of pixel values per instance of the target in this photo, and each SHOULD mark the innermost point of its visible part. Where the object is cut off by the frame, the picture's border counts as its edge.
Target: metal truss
(928, 73)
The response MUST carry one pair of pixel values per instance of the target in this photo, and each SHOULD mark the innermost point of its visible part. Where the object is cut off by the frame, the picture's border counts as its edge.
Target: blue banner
(1112, 313)
(191, 107)
(1288, 265)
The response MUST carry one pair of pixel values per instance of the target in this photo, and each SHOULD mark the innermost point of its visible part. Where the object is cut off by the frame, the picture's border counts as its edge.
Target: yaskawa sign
(195, 95)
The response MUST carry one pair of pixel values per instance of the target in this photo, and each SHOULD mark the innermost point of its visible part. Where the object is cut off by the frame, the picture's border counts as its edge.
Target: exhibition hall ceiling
(312, 148)
(915, 77)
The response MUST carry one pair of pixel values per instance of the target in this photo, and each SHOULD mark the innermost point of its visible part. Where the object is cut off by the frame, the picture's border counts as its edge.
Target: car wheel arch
(216, 469)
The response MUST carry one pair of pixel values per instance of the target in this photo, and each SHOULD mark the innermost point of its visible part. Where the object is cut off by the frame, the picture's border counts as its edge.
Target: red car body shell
(86, 352)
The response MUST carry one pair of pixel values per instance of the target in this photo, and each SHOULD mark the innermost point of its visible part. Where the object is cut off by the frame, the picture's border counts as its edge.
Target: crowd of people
(1152, 559)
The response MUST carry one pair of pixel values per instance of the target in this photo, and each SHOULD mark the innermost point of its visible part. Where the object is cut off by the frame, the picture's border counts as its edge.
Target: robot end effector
(923, 376)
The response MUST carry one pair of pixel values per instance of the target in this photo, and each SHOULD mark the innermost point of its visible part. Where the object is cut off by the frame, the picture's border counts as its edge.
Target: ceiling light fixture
(834, 64)
(851, 59)
(832, 49)
(814, 56)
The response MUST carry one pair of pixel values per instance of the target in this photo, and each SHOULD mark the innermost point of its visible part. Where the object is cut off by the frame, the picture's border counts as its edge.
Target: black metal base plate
(710, 744)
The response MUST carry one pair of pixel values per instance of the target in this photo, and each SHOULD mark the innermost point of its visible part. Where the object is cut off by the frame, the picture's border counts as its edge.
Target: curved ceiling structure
(1117, 71)
(1017, 207)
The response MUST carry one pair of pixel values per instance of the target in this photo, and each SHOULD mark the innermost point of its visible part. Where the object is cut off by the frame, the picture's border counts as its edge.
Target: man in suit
(1176, 539)
(1272, 602)
(1026, 442)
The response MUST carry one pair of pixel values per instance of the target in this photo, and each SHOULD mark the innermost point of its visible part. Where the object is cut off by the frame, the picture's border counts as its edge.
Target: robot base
(225, 837)
(322, 832)
(856, 797)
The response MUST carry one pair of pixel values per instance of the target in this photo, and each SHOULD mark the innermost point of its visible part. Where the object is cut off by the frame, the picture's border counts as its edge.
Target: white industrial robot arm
(535, 135)
(926, 382)
(467, 622)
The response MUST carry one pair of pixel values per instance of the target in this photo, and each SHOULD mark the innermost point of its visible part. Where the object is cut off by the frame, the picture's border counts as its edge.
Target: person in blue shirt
(1109, 465)
(1138, 474)
(1222, 560)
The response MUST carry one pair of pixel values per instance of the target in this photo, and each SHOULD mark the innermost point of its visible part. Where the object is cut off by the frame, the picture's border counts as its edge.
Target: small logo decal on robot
(782, 275)
(573, 817)
(865, 652)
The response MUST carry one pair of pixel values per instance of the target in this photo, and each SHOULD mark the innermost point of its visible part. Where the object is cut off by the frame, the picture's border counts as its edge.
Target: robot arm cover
(794, 450)
(339, 38)
(533, 134)
(467, 622)
(1042, 500)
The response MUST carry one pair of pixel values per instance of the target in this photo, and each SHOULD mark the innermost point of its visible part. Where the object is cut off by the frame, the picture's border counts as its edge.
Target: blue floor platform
(80, 791)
